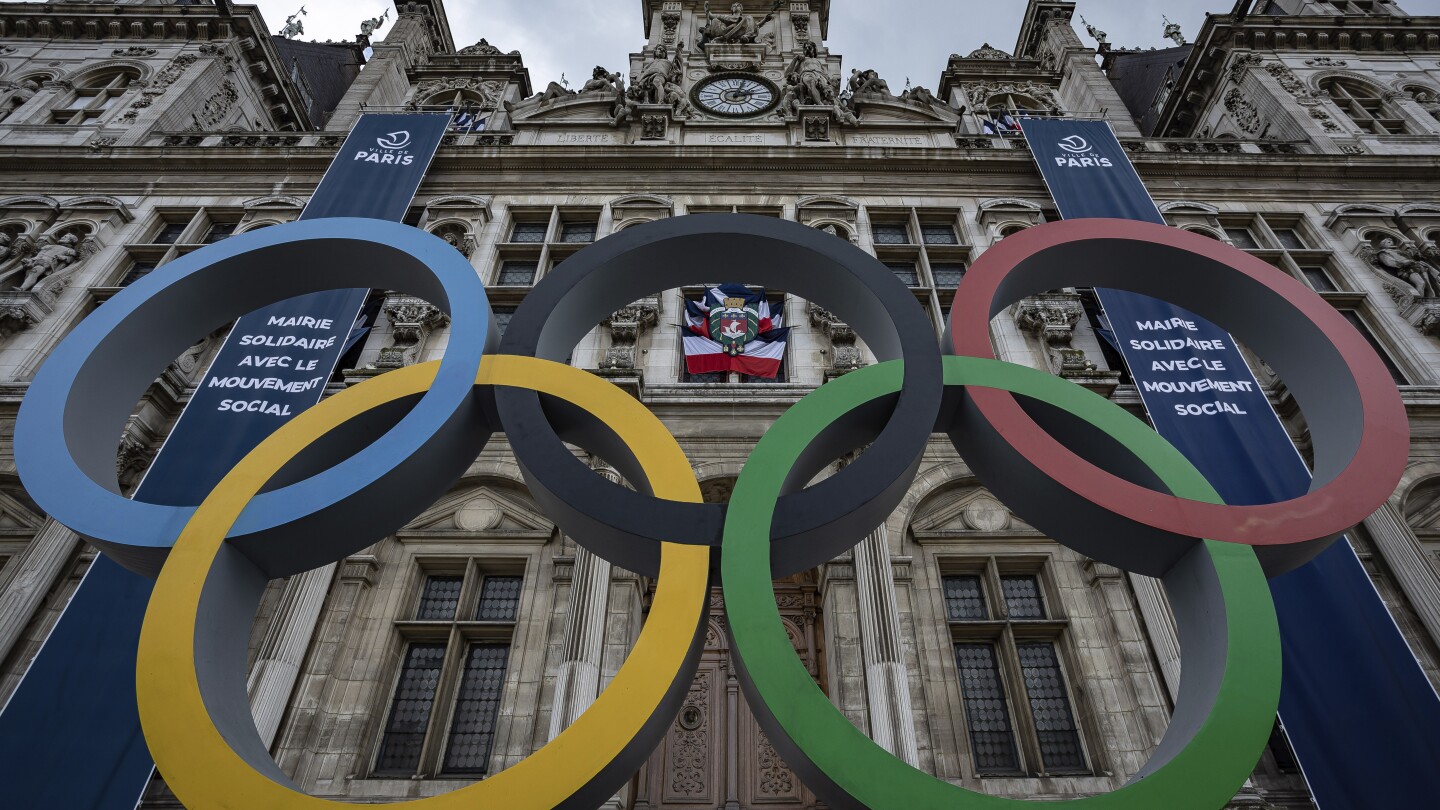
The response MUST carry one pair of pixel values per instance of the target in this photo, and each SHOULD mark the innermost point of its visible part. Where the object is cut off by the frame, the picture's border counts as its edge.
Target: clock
(735, 95)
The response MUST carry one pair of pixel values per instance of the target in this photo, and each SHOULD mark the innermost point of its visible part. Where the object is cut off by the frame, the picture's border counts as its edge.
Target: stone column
(578, 681)
(1412, 568)
(892, 724)
(1160, 626)
(30, 576)
(282, 652)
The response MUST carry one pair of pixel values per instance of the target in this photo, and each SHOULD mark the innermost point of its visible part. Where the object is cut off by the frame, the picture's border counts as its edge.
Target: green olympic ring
(1227, 699)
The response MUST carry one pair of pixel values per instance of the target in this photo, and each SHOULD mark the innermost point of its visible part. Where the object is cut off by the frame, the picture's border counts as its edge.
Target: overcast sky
(899, 38)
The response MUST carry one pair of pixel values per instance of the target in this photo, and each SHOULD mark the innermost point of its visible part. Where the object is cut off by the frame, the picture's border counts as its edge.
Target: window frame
(459, 635)
(1007, 633)
(100, 98)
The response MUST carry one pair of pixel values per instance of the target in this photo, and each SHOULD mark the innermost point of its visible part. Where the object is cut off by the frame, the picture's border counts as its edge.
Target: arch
(1180, 206)
(30, 201)
(1205, 232)
(81, 228)
(85, 74)
(843, 229)
(643, 199)
(1320, 79)
(273, 202)
(100, 201)
(623, 224)
(257, 225)
(1349, 209)
(827, 199)
(460, 201)
(1417, 208)
(1010, 202)
(1011, 228)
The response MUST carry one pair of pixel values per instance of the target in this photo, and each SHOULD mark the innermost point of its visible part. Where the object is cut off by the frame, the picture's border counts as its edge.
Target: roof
(1139, 76)
(325, 71)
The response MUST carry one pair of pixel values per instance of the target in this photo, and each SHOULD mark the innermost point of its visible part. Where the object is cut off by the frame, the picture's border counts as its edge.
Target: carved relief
(1243, 111)
(159, 84)
(626, 325)
(489, 90)
(1052, 317)
(411, 322)
(35, 274)
(689, 749)
(776, 779)
(845, 356)
(653, 126)
(669, 19)
(215, 108)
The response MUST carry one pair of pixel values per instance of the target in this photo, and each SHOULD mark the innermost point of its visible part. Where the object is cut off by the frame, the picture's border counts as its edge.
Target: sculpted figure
(920, 95)
(602, 80)
(50, 257)
(810, 76)
(1404, 265)
(24, 91)
(624, 108)
(553, 91)
(373, 24)
(675, 97)
(736, 27)
(5, 249)
(867, 81)
(790, 96)
(658, 72)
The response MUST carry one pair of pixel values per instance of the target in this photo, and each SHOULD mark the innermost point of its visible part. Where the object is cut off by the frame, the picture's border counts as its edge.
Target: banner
(70, 734)
(1360, 713)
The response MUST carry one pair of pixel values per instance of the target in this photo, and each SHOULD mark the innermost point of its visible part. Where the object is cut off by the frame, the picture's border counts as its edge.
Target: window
(938, 233)
(947, 274)
(93, 97)
(1095, 316)
(1363, 106)
(529, 232)
(577, 231)
(1242, 238)
(1395, 373)
(503, 314)
(170, 233)
(890, 233)
(1318, 278)
(450, 656)
(517, 273)
(906, 272)
(219, 231)
(137, 271)
(1012, 682)
(1289, 239)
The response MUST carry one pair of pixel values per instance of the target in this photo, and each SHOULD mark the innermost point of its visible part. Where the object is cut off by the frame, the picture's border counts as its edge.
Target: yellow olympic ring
(206, 773)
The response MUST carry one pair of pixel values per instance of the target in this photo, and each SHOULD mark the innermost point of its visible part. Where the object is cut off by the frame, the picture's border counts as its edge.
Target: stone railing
(285, 140)
(1140, 145)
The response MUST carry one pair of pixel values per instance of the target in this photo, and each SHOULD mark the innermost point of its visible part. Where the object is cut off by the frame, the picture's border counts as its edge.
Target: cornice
(1204, 72)
(152, 23)
(239, 163)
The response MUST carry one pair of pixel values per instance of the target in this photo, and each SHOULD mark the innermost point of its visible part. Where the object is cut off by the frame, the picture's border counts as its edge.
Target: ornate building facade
(955, 635)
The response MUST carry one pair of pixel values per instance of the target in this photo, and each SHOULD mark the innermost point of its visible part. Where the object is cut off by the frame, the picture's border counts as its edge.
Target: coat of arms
(733, 324)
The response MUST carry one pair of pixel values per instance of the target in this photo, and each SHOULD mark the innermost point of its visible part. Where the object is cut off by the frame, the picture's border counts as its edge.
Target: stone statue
(868, 81)
(675, 97)
(373, 24)
(810, 76)
(1405, 264)
(553, 91)
(293, 26)
(602, 80)
(790, 97)
(5, 250)
(919, 95)
(1099, 36)
(624, 107)
(24, 91)
(1172, 31)
(735, 28)
(50, 258)
(658, 72)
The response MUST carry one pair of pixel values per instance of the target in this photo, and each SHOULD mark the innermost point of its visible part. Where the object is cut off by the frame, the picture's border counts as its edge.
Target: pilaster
(892, 722)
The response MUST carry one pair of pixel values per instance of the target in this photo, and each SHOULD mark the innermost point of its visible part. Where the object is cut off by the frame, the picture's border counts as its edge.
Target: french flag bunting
(733, 328)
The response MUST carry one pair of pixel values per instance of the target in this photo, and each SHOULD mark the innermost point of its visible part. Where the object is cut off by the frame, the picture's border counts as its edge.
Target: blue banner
(70, 734)
(1361, 715)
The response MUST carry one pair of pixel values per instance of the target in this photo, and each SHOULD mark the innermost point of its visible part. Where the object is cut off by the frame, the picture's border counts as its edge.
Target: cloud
(898, 38)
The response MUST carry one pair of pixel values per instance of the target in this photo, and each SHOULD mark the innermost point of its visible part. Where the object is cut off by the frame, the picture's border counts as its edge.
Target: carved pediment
(874, 108)
(483, 510)
(581, 106)
(971, 510)
(16, 518)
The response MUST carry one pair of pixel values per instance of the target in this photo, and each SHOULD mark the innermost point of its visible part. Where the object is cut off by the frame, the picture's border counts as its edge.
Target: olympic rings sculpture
(412, 432)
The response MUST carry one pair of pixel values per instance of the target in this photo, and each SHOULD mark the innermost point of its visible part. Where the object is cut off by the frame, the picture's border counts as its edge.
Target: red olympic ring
(1357, 419)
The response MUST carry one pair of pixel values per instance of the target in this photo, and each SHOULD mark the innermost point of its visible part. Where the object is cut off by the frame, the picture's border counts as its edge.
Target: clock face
(736, 95)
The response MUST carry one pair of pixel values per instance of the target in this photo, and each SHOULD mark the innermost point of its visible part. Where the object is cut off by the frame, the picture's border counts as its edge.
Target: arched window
(93, 96)
(1364, 106)
(1011, 230)
(466, 108)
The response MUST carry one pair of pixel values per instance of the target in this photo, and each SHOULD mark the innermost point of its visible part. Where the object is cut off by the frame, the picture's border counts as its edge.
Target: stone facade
(146, 130)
